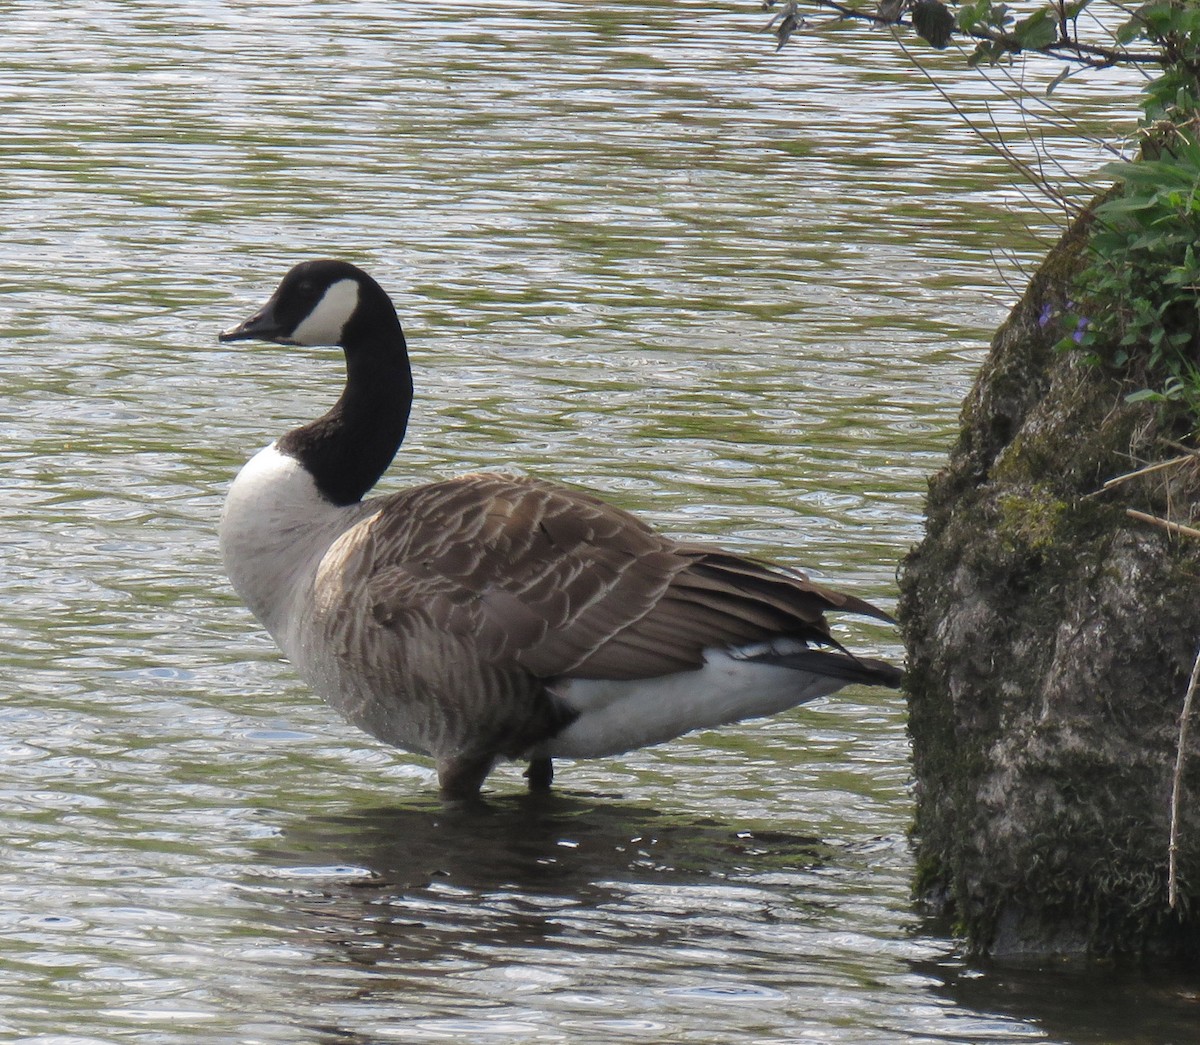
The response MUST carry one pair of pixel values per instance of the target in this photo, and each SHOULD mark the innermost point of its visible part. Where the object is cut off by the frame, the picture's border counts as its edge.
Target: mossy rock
(1050, 639)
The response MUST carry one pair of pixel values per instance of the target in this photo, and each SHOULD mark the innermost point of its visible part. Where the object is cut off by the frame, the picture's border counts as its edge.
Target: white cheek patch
(325, 323)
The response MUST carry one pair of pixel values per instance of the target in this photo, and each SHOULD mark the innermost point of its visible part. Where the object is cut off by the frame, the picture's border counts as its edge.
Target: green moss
(1030, 520)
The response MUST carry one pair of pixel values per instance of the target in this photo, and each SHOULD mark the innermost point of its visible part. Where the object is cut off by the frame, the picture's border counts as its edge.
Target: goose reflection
(439, 885)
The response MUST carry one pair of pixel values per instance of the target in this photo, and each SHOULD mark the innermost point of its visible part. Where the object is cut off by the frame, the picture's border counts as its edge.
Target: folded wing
(554, 582)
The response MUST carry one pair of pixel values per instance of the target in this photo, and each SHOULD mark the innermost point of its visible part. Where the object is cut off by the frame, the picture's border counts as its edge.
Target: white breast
(275, 528)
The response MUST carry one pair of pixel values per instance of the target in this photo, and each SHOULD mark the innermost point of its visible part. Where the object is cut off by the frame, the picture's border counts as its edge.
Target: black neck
(348, 449)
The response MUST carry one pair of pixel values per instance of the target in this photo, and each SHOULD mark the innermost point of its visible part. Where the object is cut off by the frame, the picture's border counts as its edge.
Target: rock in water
(1050, 640)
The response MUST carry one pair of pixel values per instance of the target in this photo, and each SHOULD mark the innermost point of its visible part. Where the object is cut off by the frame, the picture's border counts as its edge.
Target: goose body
(496, 616)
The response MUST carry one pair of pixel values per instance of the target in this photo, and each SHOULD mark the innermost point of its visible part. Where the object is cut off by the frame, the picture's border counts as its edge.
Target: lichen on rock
(1050, 638)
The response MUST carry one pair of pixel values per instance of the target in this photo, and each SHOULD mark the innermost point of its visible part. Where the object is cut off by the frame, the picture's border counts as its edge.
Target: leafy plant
(1142, 287)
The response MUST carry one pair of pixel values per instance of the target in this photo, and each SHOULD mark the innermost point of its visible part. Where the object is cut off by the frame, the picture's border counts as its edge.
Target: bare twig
(1177, 787)
(1165, 524)
(1116, 480)
(1044, 112)
(997, 145)
(1179, 446)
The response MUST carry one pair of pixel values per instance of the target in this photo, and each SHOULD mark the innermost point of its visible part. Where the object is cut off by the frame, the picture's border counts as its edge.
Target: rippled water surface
(740, 292)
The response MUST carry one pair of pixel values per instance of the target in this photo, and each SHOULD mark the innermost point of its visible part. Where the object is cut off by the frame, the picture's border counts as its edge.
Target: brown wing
(559, 583)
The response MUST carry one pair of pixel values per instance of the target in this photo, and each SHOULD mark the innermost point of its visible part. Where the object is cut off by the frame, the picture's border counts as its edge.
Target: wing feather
(556, 583)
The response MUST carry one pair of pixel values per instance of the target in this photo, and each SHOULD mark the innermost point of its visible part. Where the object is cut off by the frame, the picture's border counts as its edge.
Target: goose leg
(460, 778)
(540, 774)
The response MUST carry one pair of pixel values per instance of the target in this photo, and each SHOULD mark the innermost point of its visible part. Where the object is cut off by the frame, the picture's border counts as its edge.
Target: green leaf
(933, 22)
(1145, 395)
(1066, 71)
(1125, 207)
(1116, 170)
(1039, 30)
(987, 51)
(1130, 31)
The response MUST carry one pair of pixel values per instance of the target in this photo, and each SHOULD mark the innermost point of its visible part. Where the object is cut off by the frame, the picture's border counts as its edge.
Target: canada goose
(496, 616)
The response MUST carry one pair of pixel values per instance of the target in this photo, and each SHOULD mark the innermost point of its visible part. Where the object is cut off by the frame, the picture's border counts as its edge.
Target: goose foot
(461, 778)
(540, 774)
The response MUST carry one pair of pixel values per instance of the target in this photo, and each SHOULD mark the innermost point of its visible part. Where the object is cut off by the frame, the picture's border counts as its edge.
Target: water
(740, 293)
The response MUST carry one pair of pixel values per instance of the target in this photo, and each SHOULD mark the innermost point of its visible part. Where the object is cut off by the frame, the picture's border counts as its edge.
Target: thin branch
(1036, 177)
(1015, 260)
(1163, 524)
(1130, 11)
(1191, 450)
(1063, 48)
(997, 145)
(1020, 95)
(1177, 787)
(1159, 466)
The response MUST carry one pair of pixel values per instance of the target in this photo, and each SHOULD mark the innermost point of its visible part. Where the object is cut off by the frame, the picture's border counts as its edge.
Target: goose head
(323, 302)
(334, 303)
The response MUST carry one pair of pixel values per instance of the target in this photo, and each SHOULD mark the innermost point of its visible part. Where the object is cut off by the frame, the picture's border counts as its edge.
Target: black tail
(836, 665)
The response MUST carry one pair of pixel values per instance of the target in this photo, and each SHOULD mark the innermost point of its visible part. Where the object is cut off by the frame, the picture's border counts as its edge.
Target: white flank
(618, 716)
(325, 323)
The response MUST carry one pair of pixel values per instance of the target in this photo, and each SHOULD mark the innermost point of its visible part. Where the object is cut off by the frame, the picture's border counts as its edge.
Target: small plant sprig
(1141, 291)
